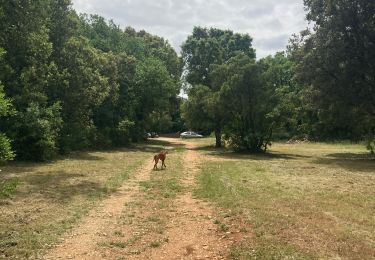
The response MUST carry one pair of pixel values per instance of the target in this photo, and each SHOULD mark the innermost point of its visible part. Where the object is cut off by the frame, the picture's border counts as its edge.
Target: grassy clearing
(50, 198)
(303, 201)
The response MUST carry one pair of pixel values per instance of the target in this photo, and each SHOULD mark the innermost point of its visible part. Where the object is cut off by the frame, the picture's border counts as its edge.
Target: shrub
(36, 132)
(6, 152)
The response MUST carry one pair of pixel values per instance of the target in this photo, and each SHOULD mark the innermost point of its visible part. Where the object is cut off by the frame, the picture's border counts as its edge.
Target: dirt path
(193, 234)
(82, 242)
(131, 224)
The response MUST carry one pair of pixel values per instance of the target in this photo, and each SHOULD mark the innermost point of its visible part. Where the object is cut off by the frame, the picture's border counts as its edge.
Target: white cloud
(269, 22)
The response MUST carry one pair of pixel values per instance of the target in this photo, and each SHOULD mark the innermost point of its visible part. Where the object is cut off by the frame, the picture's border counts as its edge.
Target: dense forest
(321, 88)
(71, 82)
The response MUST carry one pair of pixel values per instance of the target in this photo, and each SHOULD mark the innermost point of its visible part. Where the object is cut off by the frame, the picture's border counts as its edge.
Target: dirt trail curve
(191, 232)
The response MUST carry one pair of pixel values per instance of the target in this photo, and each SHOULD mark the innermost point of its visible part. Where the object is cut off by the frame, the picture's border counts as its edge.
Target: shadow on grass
(229, 154)
(350, 161)
(151, 146)
(60, 186)
(81, 156)
(155, 146)
(24, 167)
(353, 156)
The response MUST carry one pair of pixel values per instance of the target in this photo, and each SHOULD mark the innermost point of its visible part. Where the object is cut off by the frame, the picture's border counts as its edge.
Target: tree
(36, 132)
(195, 110)
(337, 59)
(87, 86)
(293, 113)
(246, 102)
(27, 75)
(138, 79)
(6, 152)
(63, 24)
(6, 109)
(154, 89)
(77, 82)
(205, 48)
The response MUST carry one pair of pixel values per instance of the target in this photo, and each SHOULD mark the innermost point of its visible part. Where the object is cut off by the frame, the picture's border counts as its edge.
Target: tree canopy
(79, 81)
(202, 50)
(336, 58)
(73, 81)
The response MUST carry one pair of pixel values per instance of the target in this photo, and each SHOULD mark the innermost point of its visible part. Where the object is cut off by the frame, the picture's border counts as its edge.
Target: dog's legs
(156, 164)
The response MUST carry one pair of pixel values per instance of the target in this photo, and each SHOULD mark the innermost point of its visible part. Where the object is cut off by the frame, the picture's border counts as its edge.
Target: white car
(190, 134)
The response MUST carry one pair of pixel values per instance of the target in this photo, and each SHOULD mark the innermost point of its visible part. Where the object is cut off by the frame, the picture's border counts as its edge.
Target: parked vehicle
(154, 135)
(190, 134)
(150, 135)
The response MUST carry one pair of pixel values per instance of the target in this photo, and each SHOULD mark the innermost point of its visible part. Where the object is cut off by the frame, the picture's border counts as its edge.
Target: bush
(8, 187)
(6, 152)
(248, 142)
(35, 132)
(370, 143)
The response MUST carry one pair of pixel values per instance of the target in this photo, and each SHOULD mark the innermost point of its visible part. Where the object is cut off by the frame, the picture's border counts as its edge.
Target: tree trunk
(218, 137)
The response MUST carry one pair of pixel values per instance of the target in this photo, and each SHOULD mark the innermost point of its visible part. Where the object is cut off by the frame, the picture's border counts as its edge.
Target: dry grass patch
(299, 201)
(52, 197)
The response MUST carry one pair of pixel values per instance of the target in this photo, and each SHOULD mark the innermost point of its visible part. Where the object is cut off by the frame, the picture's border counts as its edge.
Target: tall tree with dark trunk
(207, 47)
(337, 58)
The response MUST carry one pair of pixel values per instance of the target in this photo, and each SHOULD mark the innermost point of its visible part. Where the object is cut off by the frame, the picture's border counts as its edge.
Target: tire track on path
(193, 234)
(82, 242)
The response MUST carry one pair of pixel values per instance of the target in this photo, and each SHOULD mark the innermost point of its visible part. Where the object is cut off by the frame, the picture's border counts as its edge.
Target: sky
(269, 22)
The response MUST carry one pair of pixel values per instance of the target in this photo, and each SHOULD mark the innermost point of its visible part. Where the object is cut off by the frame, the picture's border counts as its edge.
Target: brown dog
(160, 156)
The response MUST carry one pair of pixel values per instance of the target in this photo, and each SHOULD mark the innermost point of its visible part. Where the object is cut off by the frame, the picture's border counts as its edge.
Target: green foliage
(148, 72)
(247, 101)
(228, 93)
(212, 46)
(35, 132)
(336, 58)
(6, 152)
(204, 49)
(5, 104)
(78, 82)
(87, 88)
(195, 109)
(27, 75)
(8, 187)
(370, 142)
(6, 109)
(292, 113)
(154, 90)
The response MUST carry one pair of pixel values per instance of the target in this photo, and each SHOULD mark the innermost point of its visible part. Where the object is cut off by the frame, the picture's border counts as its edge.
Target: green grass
(47, 199)
(8, 187)
(304, 201)
(155, 244)
(166, 183)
